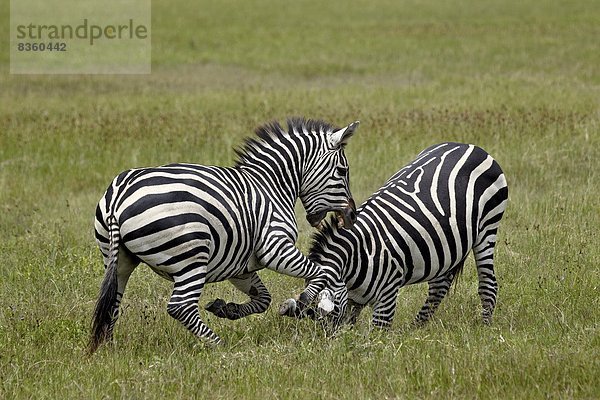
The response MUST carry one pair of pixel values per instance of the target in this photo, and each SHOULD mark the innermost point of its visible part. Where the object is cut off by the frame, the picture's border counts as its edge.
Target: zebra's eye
(342, 171)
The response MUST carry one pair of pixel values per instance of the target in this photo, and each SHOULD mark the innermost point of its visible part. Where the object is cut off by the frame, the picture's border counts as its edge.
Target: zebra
(195, 224)
(419, 227)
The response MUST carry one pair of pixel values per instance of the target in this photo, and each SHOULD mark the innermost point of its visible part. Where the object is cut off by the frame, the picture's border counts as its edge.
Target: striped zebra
(195, 224)
(419, 227)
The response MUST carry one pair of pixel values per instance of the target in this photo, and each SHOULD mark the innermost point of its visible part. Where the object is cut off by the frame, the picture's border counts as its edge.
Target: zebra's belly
(189, 240)
(170, 262)
(425, 267)
(427, 248)
(397, 264)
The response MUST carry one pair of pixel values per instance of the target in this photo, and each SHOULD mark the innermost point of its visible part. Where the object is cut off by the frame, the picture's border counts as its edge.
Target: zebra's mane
(320, 238)
(272, 132)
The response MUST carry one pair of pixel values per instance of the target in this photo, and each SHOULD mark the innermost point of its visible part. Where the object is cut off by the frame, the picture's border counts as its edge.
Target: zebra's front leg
(183, 305)
(354, 310)
(282, 256)
(438, 288)
(250, 284)
(385, 308)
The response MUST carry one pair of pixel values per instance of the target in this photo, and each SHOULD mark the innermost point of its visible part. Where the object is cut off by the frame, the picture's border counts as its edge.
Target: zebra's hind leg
(488, 285)
(438, 288)
(250, 284)
(183, 305)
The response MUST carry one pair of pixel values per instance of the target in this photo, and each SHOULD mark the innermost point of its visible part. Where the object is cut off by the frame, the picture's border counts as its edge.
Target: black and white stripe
(419, 227)
(195, 224)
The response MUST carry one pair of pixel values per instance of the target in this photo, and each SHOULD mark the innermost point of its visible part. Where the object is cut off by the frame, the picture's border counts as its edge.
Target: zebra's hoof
(217, 307)
(486, 315)
(232, 311)
(419, 323)
(288, 308)
(209, 344)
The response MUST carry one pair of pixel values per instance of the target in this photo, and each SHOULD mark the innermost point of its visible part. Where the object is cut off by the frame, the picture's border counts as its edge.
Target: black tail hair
(458, 270)
(103, 313)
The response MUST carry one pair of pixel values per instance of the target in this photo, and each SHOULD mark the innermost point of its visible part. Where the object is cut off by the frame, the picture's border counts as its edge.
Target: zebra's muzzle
(347, 216)
(315, 219)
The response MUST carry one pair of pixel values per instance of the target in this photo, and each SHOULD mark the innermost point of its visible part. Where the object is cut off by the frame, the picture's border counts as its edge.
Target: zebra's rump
(432, 212)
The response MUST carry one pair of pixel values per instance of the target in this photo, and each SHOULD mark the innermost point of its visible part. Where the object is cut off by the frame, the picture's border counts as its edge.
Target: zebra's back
(431, 213)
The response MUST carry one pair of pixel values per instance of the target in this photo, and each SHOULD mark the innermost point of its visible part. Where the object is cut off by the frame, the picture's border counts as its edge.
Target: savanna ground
(520, 79)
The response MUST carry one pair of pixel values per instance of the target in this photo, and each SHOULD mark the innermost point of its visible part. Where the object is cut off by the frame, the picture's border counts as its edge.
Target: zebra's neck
(336, 251)
(275, 175)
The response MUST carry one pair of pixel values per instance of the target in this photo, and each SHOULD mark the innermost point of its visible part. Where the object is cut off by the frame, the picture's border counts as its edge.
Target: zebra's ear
(340, 137)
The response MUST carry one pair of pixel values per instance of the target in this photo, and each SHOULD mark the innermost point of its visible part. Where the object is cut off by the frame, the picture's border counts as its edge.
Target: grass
(518, 79)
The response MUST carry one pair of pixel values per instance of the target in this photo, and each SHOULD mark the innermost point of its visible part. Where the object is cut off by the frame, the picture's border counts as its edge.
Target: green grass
(519, 79)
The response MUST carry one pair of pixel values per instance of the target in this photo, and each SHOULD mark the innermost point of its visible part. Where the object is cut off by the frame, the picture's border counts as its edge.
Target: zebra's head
(332, 305)
(332, 258)
(325, 185)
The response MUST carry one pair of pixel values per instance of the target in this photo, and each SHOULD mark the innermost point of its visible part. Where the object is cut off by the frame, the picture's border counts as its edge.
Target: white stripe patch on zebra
(325, 305)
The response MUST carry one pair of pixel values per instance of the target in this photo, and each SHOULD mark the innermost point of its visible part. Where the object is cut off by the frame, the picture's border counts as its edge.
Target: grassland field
(520, 79)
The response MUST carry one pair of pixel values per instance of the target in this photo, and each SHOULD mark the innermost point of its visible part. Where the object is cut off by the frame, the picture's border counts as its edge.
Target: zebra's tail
(458, 270)
(102, 320)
